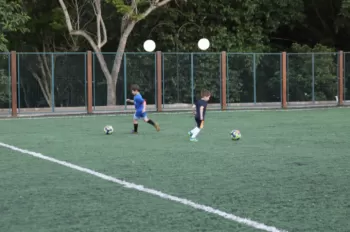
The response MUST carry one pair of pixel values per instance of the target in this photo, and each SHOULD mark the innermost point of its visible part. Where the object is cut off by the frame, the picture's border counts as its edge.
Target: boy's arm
(201, 109)
(129, 100)
(144, 105)
(201, 112)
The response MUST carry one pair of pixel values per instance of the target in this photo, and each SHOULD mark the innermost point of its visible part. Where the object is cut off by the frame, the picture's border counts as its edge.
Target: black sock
(135, 127)
(151, 122)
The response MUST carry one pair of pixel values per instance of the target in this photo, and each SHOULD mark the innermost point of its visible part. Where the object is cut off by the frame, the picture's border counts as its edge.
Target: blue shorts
(139, 115)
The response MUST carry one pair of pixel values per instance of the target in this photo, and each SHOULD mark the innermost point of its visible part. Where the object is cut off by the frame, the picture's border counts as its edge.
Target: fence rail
(63, 83)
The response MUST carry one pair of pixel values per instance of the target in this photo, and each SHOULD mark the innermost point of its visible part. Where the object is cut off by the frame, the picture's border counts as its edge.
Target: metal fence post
(223, 80)
(192, 80)
(313, 77)
(18, 84)
(163, 84)
(52, 83)
(159, 80)
(254, 76)
(89, 81)
(94, 80)
(284, 80)
(14, 83)
(341, 78)
(9, 81)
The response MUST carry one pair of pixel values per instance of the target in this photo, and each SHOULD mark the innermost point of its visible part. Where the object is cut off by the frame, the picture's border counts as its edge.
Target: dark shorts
(199, 123)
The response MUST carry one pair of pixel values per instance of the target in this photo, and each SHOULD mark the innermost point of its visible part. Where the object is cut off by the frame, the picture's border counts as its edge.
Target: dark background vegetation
(300, 27)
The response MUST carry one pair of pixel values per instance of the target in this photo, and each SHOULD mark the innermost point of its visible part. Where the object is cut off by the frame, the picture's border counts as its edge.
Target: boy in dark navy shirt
(140, 107)
(200, 108)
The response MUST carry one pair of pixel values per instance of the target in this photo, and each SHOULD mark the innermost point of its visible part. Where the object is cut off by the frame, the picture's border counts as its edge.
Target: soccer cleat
(193, 139)
(189, 133)
(156, 125)
(134, 132)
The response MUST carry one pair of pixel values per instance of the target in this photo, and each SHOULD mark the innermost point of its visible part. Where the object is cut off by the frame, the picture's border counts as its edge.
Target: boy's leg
(136, 124)
(193, 130)
(190, 133)
(150, 121)
(196, 130)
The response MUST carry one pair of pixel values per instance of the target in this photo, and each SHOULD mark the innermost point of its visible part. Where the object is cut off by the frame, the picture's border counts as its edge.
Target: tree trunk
(46, 92)
(119, 56)
(111, 93)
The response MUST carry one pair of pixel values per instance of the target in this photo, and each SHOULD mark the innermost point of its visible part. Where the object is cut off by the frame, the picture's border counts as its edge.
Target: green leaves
(120, 6)
(4, 81)
(312, 73)
(235, 26)
(134, 11)
(12, 16)
(345, 8)
(12, 19)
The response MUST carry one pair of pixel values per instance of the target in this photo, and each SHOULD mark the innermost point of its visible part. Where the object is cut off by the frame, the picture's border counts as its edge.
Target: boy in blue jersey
(140, 107)
(200, 108)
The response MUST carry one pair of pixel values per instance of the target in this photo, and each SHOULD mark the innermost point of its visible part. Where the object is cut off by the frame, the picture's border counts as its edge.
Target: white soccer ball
(203, 44)
(149, 45)
(235, 135)
(108, 130)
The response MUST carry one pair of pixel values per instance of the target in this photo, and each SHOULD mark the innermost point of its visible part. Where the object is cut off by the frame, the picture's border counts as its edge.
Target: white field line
(121, 114)
(154, 192)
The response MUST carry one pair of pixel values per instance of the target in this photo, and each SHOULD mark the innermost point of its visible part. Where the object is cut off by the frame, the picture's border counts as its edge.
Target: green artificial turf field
(290, 170)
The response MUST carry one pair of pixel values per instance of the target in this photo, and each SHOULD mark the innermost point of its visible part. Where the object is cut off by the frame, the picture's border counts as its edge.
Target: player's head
(135, 89)
(205, 95)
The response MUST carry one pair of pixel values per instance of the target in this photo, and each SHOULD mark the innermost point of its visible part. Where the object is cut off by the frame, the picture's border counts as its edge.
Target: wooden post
(159, 81)
(89, 82)
(223, 80)
(14, 83)
(284, 80)
(341, 78)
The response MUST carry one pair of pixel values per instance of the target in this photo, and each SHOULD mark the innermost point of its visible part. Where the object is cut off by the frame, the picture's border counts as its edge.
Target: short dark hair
(135, 87)
(205, 93)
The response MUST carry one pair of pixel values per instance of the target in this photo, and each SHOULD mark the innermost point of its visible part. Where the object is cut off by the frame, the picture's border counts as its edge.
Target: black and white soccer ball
(108, 130)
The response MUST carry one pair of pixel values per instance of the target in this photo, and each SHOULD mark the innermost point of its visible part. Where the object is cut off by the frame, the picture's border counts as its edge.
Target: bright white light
(149, 45)
(203, 44)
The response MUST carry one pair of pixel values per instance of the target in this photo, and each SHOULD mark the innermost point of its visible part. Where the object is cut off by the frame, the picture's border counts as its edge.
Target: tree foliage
(312, 73)
(238, 27)
(4, 89)
(12, 19)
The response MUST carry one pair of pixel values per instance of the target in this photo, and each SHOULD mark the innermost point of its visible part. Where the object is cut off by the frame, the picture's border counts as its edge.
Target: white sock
(195, 132)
